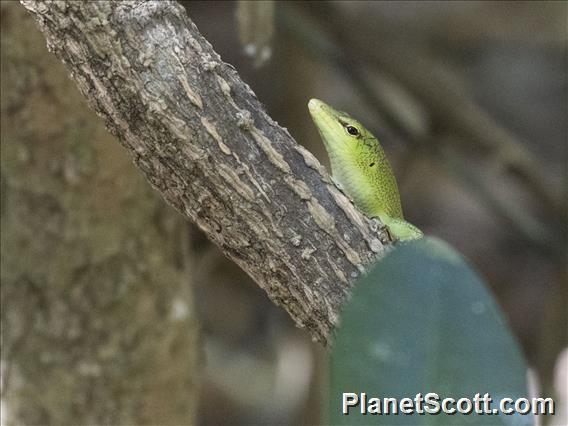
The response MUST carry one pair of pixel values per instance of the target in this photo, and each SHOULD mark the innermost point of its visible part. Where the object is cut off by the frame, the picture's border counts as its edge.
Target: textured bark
(97, 324)
(205, 143)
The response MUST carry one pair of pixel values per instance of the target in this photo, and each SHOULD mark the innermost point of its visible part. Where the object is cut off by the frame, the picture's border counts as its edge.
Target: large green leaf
(422, 321)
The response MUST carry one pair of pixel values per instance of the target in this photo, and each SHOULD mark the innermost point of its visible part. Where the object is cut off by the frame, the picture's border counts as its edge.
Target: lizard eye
(352, 130)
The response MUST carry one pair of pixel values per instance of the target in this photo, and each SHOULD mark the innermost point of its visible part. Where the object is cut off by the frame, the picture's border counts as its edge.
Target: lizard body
(360, 166)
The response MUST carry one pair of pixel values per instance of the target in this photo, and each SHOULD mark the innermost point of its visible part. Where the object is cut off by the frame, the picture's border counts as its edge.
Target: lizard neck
(369, 182)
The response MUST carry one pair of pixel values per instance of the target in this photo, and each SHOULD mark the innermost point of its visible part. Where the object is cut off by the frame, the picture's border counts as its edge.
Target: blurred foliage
(256, 27)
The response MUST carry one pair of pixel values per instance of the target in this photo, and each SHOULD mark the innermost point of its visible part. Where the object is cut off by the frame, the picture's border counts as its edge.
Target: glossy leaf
(422, 321)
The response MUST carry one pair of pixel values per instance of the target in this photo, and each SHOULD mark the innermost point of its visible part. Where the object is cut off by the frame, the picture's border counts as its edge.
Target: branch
(205, 143)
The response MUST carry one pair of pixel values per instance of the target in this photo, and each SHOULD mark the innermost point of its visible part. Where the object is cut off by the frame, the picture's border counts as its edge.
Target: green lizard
(360, 167)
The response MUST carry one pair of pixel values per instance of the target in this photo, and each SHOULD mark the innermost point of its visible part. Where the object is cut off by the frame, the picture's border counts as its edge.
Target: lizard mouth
(314, 105)
(320, 112)
(319, 109)
(323, 117)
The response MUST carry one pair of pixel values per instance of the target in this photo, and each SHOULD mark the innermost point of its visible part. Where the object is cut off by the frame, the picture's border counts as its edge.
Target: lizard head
(342, 135)
(360, 167)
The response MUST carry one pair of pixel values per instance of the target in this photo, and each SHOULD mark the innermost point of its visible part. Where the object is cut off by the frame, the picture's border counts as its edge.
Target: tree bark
(97, 318)
(206, 144)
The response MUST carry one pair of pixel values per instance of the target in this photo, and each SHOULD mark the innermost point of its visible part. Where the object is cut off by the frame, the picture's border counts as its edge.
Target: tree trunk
(97, 319)
(206, 144)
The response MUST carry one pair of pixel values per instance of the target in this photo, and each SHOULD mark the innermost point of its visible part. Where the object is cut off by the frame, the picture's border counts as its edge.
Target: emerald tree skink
(360, 167)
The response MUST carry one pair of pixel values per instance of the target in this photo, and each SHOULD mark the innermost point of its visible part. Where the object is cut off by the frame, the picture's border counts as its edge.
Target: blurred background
(116, 311)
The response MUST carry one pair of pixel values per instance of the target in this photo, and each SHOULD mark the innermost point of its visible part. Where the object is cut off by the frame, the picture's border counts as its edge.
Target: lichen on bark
(206, 144)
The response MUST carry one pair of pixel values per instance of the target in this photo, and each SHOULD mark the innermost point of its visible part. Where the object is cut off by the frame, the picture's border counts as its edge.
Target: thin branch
(205, 143)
